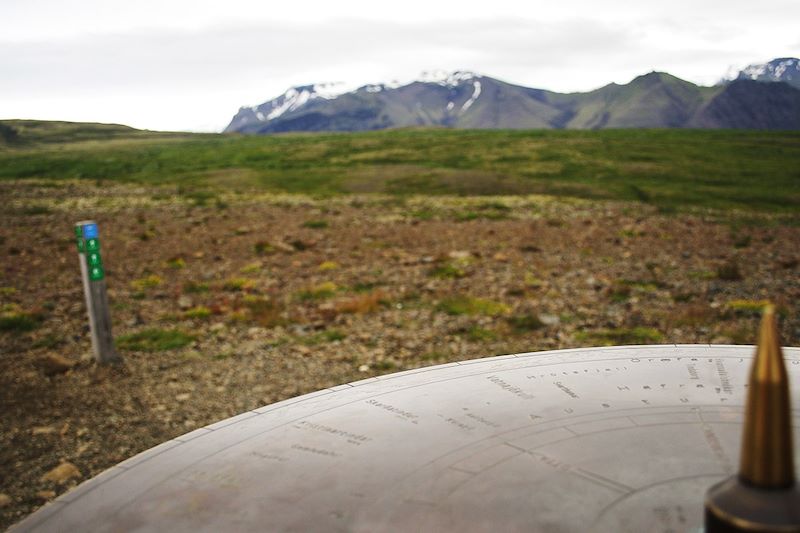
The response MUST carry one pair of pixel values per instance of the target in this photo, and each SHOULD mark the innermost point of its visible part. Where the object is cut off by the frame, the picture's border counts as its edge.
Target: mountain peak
(445, 78)
(786, 69)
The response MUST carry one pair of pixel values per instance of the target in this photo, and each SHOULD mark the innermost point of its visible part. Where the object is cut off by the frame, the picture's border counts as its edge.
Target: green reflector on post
(94, 259)
(81, 245)
(93, 245)
(96, 273)
(78, 232)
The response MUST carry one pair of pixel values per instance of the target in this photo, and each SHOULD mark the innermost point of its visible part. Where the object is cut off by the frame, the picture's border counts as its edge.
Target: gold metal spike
(766, 460)
(763, 497)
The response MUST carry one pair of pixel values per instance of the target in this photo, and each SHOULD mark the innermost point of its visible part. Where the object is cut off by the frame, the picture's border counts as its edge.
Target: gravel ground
(224, 303)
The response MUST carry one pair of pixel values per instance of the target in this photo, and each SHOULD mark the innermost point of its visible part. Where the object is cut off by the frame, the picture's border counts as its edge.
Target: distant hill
(470, 100)
(26, 132)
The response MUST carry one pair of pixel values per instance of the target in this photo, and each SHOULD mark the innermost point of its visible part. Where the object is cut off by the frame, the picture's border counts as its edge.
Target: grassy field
(228, 292)
(671, 169)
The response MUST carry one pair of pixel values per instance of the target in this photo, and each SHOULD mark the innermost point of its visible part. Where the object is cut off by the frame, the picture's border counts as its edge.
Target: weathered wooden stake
(94, 289)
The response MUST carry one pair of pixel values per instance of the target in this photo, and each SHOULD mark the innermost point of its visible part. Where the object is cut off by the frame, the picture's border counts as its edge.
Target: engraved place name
(671, 518)
(692, 372)
(482, 420)
(270, 457)
(723, 377)
(411, 417)
(595, 370)
(508, 387)
(316, 451)
(458, 423)
(352, 438)
(713, 443)
(569, 392)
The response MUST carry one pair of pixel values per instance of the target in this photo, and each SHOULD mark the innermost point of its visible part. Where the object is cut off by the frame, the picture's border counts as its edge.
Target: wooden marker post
(94, 288)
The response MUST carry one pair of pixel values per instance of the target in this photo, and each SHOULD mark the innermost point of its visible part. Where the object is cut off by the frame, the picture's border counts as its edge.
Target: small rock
(182, 397)
(52, 364)
(43, 430)
(5, 500)
(46, 494)
(549, 320)
(283, 247)
(363, 368)
(184, 302)
(500, 257)
(459, 255)
(218, 326)
(305, 350)
(62, 473)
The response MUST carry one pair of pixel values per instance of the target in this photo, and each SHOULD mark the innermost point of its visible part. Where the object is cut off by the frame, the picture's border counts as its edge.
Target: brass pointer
(763, 497)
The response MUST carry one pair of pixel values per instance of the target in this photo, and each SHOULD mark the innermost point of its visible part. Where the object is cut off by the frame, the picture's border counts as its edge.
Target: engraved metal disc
(605, 439)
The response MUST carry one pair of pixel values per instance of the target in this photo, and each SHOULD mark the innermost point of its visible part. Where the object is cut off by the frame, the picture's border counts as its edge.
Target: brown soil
(293, 307)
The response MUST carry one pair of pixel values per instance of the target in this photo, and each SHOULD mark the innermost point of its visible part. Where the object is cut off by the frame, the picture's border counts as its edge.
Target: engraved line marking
(610, 483)
(614, 503)
(563, 466)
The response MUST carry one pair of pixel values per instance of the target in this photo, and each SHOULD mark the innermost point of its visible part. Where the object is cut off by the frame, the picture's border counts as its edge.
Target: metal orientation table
(601, 439)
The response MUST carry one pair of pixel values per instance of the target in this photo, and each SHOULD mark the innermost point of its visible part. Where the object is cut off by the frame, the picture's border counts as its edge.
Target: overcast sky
(190, 64)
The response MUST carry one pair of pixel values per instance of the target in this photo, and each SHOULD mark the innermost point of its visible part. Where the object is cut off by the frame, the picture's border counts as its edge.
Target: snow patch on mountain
(781, 69)
(476, 92)
(446, 79)
(297, 97)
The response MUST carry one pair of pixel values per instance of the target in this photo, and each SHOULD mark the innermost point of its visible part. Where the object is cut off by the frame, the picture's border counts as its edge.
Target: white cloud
(189, 65)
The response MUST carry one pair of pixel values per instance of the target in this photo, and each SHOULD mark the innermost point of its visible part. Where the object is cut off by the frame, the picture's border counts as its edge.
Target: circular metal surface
(606, 439)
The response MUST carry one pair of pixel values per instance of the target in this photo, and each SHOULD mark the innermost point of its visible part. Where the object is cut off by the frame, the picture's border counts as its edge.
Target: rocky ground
(225, 302)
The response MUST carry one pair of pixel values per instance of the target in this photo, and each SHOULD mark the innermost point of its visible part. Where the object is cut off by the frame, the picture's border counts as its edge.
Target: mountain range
(764, 96)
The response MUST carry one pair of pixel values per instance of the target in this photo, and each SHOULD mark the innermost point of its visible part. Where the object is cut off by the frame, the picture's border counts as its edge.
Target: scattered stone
(283, 247)
(184, 302)
(43, 430)
(182, 397)
(52, 364)
(46, 495)
(549, 320)
(5, 500)
(459, 255)
(255, 332)
(62, 473)
(363, 368)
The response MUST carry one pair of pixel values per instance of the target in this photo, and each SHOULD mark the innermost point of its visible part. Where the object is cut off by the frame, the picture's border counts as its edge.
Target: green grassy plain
(671, 169)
